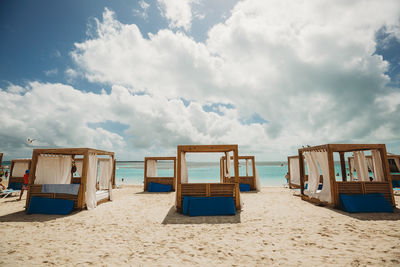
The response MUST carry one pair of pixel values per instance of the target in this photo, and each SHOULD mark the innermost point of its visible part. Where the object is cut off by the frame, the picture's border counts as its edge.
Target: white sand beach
(143, 229)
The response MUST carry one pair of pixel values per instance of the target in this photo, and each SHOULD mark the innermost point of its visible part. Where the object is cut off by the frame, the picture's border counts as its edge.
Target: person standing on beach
(25, 185)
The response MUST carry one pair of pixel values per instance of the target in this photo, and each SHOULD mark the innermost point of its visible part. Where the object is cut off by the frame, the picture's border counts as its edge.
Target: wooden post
(178, 180)
(237, 180)
(253, 163)
(302, 172)
(145, 175)
(343, 166)
(32, 177)
(334, 195)
(386, 171)
(82, 188)
(114, 169)
(174, 181)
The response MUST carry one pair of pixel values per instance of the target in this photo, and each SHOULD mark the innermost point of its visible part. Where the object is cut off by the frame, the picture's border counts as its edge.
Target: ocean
(270, 173)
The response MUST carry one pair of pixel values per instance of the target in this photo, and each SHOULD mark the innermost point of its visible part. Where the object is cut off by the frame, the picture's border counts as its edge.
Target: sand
(143, 229)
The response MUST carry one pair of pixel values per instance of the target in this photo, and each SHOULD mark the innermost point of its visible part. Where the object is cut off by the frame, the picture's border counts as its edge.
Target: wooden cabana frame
(159, 179)
(245, 179)
(207, 189)
(344, 186)
(18, 179)
(79, 200)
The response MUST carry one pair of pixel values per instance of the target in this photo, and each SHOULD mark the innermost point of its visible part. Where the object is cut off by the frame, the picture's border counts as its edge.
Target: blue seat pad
(244, 187)
(365, 203)
(44, 205)
(208, 206)
(156, 187)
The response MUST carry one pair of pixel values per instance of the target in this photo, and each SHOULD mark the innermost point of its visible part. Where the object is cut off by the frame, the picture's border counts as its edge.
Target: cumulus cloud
(314, 78)
(307, 71)
(178, 12)
(58, 115)
(51, 72)
(143, 11)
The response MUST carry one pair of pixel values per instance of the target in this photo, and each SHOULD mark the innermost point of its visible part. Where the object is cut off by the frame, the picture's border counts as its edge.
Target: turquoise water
(133, 172)
(270, 174)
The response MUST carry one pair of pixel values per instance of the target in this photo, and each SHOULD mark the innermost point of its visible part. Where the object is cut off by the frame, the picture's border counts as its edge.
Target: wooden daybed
(158, 179)
(17, 171)
(184, 188)
(249, 178)
(331, 188)
(87, 183)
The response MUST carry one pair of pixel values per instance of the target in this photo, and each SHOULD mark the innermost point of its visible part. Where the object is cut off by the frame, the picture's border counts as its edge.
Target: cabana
(155, 183)
(247, 182)
(353, 196)
(294, 171)
(17, 172)
(206, 198)
(394, 167)
(51, 179)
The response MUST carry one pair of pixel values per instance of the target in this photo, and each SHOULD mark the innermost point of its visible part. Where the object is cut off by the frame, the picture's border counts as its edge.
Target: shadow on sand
(21, 216)
(173, 217)
(154, 193)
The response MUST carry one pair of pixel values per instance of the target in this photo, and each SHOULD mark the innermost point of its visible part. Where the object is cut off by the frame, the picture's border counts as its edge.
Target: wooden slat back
(379, 187)
(350, 188)
(356, 188)
(160, 180)
(208, 190)
(251, 180)
(36, 190)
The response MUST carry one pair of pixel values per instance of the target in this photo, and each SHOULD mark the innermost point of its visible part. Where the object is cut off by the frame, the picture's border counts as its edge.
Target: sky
(141, 77)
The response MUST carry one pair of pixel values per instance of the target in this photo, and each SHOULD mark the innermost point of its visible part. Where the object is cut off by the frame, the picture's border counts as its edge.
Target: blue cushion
(208, 206)
(15, 186)
(185, 208)
(155, 187)
(365, 203)
(50, 206)
(319, 186)
(244, 187)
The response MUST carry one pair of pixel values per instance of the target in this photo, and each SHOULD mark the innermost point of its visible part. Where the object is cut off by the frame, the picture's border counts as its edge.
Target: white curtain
(247, 167)
(325, 194)
(19, 168)
(152, 168)
(397, 162)
(378, 168)
(53, 169)
(228, 165)
(351, 169)
(294, 171)
(313, 173)
(184, 169)
(91, 180)
(361, 166)
(105, 171)
(79, 166)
